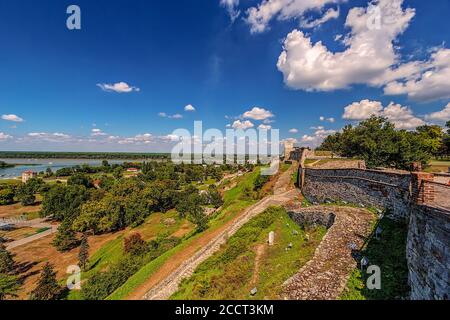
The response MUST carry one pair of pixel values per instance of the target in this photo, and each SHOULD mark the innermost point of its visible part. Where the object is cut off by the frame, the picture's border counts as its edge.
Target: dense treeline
(81, 155)
(378, 143)
(104, 202)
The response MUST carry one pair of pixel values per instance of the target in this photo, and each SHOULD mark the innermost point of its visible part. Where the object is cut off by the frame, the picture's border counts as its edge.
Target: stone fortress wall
(413, 197)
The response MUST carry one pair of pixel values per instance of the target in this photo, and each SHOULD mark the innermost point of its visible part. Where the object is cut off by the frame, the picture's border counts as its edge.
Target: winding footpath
(169, 285)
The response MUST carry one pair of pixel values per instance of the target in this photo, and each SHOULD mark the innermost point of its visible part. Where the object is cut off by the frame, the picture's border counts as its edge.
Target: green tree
(65, 238)
(431, 137)
(6, 196)
(9, 285)
(378, 143)
(62, 202)
(47, 287)
(213, 197)
(83, 255)
(79, 179)
(25, 194)
(6, 260)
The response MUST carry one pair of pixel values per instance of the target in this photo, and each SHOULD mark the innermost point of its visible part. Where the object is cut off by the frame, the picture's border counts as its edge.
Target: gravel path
(325, 276)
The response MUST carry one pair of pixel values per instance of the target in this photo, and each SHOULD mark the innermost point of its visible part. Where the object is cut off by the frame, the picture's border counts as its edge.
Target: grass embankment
(247, 261)
(233, 205)
(389, 253)
(438, 166)
(156, 225)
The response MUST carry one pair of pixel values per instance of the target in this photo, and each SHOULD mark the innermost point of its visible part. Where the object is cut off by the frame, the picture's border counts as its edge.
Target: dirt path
(164, 282)
(325, 276)
(52, 229)
(259, 250)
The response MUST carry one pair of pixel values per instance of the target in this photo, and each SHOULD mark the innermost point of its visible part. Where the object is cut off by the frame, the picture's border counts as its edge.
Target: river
(38, 165)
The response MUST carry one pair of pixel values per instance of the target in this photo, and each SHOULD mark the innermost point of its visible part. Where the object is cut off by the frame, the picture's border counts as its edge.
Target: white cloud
(317, 138)
(4, 136)
(175, 116)
(331, 120)
(371, 57)
(428, 81)
(259, 17)
(362, 110)
(238, 124)
(293, 130)
(50, 137)
(369, 53)
(97, 132)
(189, 108)
(231, 6)
(12, 117)
(443, 115)
(329, 14)
(401, 116)
(258, 114)
(145, 138)
(119, 87)
(264, 127)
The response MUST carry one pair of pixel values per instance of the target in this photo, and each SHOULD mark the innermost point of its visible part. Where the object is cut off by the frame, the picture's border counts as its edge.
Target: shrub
(6, 196)
(135, 245)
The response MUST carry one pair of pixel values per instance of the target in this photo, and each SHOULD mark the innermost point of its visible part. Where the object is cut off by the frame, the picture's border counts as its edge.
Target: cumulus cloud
(4, 136)
(329, 14)
(443, 115)
(189, 108)
(293, 130)
(238, 124)
(231, 7)
(317, 138)
(265, 127)
(258, 114)
(428, 81)
(12, 117)
(119, 87)
(370, 52)
(402, 116)
(370, 57)
(260, 16)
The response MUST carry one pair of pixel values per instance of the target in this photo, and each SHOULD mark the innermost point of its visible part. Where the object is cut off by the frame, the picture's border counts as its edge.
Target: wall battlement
(412, 197)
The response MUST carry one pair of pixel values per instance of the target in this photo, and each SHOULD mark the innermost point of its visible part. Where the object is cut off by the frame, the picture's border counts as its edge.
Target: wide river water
(38, 165)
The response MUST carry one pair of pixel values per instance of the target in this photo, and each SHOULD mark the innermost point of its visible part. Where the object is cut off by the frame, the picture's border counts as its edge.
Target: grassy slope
(111, 252)
(389, 254)
(231, 207)
(230, 273)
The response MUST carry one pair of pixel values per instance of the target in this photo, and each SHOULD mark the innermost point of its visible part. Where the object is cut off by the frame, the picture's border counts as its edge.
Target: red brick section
(423, 192)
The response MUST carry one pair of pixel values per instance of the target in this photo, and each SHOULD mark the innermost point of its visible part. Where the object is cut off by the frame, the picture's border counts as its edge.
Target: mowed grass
(248, 262)
(231, 207)
(155, 225)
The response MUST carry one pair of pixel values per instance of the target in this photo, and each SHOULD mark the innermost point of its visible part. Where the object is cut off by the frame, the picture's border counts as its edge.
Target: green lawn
(389, 254)
(230, 273)
(231, 207)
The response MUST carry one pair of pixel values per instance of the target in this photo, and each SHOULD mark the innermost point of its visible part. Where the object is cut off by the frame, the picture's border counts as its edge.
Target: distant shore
(82, 155)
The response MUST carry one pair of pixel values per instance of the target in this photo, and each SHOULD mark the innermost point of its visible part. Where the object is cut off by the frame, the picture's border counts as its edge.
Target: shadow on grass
(389, 253)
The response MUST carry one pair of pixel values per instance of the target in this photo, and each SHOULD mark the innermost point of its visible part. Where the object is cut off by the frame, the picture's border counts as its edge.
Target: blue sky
(122, 82)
